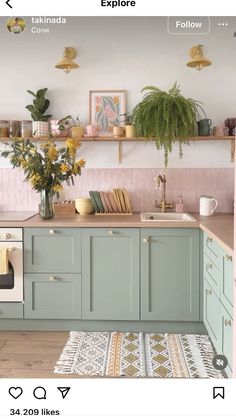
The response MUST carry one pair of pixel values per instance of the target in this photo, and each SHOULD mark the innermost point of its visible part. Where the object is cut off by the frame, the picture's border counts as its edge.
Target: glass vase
(46, 206)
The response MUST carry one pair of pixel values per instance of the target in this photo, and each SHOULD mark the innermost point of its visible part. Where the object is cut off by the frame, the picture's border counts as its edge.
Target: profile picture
(16, 25)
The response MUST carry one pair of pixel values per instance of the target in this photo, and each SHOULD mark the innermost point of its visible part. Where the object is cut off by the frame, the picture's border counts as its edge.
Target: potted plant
(37, 110)
(166, 117)
(46, 168)
(130, 131)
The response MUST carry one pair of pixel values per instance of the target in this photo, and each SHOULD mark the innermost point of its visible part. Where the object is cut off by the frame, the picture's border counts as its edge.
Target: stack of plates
(220, 131)
(115, 202)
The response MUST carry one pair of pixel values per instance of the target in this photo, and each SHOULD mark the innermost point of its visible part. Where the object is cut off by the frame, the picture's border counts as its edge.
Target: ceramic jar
(118, 131)
(77, 132)
(130, 131)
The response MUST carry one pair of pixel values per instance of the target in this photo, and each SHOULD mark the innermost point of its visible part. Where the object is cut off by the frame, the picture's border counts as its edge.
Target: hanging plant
(166, 117)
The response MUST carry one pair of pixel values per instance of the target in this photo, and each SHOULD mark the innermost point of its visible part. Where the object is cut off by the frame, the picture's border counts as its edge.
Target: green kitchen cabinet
(52, 250)
(218, 299)
(227, 338)
(110, 273)
(170, 280)
(227, 282)
(10, 310)
(212, 316)
(52, 296)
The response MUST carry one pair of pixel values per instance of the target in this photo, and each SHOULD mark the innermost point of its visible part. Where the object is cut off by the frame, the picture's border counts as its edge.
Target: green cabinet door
(227, 282)
(170, 274)
(110, 273)
(52, 250)
(54, 296)
(227, 338)
(212, 316)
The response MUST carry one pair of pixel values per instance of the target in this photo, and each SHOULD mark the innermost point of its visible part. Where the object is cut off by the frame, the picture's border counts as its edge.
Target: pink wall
(191, 183)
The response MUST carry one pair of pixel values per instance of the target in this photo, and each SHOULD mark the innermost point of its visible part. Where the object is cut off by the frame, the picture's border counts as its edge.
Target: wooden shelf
(118, 139)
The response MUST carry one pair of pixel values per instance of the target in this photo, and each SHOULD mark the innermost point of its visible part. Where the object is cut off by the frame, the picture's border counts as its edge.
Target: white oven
(11, 284)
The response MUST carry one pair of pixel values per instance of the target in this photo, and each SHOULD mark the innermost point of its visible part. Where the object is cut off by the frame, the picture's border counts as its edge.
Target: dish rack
(115, 202)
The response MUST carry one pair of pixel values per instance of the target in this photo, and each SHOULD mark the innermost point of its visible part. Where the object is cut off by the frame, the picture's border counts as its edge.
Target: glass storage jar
(15, 128)
(26, 129)
(4, 128)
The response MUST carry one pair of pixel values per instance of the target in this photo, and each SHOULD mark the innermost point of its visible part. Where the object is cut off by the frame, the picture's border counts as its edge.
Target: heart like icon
(15, 392)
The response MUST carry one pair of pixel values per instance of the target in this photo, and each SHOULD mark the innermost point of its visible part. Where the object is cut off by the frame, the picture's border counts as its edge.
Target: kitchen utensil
(93, 201)
(208, 205)
(204, 127)
(98, 201)
(108, 204)
(91, 130)
(117, 199)
(122, 201)
(127, 200)
(103, 201)
(230, 123)
(113, 202)
(84, 206)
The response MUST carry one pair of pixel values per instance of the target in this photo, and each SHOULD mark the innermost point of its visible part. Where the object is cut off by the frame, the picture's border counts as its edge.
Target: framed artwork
(106, 106)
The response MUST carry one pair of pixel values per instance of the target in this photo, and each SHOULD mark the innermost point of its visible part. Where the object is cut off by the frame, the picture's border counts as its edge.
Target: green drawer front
(54, 296)
(212, 274)
(227, 338)
(212, 316)
(11, 310)
(52, 250)
(227, 283)
(212, 249)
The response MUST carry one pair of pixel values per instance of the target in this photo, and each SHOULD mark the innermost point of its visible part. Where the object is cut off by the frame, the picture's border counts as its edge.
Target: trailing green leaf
(166, 117)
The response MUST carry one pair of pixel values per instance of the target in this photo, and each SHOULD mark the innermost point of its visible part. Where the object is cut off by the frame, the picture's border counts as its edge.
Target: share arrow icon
(64, 391)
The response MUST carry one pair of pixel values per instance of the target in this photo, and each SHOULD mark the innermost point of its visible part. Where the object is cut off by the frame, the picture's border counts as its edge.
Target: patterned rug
(119, 354)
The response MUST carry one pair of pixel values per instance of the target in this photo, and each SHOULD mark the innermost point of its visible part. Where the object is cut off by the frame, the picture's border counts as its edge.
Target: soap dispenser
(179, 206)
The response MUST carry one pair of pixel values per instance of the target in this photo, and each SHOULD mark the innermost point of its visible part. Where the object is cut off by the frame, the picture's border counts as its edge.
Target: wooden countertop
(219, 226)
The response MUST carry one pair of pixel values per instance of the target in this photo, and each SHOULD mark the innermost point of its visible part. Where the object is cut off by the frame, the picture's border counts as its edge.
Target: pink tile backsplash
(17, 195)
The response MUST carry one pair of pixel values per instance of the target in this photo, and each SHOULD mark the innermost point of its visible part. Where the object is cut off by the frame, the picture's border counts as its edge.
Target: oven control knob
(7, 236)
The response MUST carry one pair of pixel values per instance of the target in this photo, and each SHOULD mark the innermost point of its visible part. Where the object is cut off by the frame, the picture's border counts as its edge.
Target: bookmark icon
(64, 391)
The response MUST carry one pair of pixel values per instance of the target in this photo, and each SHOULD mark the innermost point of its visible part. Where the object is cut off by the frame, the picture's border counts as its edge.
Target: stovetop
(16, 215)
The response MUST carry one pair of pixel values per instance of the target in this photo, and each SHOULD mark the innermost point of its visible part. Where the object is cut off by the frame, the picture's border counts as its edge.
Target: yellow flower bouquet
(46, 167)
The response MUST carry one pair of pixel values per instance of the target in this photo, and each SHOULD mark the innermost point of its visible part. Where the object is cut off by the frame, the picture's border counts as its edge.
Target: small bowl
(84, 206)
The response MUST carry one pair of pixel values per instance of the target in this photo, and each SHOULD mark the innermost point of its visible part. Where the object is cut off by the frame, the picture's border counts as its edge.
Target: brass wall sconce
(198, 60)
(67, 64)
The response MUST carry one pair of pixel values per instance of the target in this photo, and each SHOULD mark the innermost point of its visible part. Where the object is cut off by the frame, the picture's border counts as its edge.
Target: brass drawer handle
(228, 323)
(209, 292)
(51, 231)
(228, 258)
(209, 240)
(209, 266)
(145, 240)
(110, 232)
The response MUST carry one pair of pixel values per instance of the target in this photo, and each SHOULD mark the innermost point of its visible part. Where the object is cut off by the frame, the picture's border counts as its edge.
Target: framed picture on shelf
(106, 106)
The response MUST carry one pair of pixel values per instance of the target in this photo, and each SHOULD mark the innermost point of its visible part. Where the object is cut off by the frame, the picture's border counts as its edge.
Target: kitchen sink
(166, 216)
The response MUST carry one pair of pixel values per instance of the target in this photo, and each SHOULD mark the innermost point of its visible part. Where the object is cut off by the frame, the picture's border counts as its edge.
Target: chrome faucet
(163, 205)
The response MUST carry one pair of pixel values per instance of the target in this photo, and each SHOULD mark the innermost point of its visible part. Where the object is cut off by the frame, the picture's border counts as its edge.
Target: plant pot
(46, 207)
(130, 131)
(77, 132)
(40, 129)
(118, 131)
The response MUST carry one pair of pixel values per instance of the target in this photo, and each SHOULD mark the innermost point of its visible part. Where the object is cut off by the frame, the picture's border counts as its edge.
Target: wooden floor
(31, 354)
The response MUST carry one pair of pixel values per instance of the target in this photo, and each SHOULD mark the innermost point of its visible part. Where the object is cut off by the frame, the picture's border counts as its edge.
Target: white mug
(208, 205)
